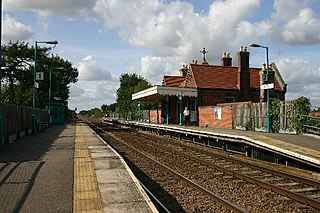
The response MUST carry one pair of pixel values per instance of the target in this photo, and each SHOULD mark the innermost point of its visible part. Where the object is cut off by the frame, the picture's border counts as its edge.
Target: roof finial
(204, 53)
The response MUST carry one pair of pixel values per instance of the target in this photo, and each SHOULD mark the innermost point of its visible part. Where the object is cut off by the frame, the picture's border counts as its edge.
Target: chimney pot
(183, 70)
(226, 60)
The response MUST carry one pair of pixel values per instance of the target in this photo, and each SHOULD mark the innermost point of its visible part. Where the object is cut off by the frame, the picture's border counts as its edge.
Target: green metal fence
(312, 124)
(17, 121)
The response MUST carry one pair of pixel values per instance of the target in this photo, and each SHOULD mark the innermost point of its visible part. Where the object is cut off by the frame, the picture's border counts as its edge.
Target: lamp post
(267, 79)
(34, 82)
(139, 104)
(1, 110)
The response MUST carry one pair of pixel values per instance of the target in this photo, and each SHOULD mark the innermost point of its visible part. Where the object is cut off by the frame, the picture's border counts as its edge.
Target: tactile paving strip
(87, 197)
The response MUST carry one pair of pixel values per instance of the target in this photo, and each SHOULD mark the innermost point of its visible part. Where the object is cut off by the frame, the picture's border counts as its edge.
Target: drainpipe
(180, 110)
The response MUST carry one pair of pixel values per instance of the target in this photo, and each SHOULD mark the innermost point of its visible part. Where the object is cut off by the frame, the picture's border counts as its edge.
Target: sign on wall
(218, 113)
(40, 76)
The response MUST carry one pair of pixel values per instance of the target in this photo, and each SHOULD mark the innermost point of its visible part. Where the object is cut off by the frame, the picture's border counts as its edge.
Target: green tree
(17, 59)
(275, 115)
(95, 113)
(129, 84)
(109, 108)
(18, 71)
(303, 107)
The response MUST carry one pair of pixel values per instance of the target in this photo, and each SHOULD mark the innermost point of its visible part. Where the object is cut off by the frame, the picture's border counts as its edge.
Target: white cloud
(302, 77)
(154, 68)
(168, 33)
(295, 22)
(46, 8)
(88, 71)
(96, 86)
(76, 90)
(92, 94)
(303, 29)
(175, 33)
(69, 8)
(14, 30)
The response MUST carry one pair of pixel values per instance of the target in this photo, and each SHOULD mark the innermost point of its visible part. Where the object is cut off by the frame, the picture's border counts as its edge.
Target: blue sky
(105, 38)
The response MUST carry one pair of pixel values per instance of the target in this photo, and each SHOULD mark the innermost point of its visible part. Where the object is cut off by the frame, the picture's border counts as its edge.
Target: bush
(302, 107)
(275, 115)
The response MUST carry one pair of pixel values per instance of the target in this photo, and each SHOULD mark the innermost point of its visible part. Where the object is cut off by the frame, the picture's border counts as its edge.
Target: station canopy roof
(160, 93)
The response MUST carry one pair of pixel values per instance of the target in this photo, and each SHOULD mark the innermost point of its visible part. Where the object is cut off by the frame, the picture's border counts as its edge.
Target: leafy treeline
(17, 65)
(129, 84)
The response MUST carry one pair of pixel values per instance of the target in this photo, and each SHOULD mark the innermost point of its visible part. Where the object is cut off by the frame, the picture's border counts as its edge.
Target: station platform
(67, 169)
(303, 147)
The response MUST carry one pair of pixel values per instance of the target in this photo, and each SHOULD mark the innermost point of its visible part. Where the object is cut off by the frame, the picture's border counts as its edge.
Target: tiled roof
(220, 77)
(173, 81)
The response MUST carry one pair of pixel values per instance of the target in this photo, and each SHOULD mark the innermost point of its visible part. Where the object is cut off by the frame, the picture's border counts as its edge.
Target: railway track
(232, 183)
(300, 189)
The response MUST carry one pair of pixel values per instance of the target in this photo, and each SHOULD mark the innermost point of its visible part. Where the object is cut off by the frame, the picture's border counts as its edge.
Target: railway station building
(208, 85)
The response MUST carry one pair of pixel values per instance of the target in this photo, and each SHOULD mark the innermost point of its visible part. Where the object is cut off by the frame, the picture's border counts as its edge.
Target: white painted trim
(163, 90)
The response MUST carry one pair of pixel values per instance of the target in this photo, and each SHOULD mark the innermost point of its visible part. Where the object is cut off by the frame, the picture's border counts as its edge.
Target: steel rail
(191, 183)
(214, 196)
(251, 165)
(309, 201)
(275, 172)
(163, 208)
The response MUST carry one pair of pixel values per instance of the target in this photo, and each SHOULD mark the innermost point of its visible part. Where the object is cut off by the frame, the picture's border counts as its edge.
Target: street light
(1, 110)
(139, 104)
(267, 79)
(34, 82)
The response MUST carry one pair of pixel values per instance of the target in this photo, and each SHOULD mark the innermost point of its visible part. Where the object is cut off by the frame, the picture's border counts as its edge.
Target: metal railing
(18, 120)
(312, 124)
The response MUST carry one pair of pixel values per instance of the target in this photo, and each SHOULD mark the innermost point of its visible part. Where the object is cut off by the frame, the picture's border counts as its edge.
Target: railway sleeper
(288, 184)
(314, 196)
(303, 190)
(272, 179)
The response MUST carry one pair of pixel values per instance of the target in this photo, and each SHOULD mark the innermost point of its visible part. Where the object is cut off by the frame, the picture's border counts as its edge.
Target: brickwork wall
(226, 121)
(213, 97)
(207, 117)
(153, 116)
(316, 114)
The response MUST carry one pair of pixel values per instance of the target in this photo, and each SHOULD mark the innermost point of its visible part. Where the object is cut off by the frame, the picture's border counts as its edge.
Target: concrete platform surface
(67, 169)
(119, 189)
(36, 172)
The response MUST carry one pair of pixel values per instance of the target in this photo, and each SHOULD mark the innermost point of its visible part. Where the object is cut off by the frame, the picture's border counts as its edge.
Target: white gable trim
(165, 91)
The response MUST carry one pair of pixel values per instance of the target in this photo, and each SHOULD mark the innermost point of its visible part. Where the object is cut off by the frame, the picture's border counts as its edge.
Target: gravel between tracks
(248, 196)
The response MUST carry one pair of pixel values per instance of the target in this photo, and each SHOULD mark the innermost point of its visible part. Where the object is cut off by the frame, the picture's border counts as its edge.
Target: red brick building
(208, 85)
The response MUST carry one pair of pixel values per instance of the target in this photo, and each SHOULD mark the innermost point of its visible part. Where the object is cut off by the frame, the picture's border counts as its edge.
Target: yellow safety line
(86, 194)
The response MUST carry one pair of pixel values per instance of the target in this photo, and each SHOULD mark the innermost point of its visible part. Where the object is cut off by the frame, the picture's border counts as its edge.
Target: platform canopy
(159, 93)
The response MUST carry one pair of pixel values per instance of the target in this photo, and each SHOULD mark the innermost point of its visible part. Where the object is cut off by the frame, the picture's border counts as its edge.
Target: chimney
(243, 74)
(226, 61)
(183, 70)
